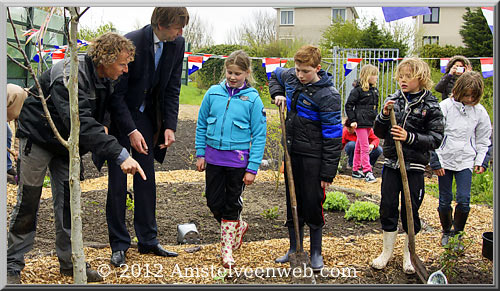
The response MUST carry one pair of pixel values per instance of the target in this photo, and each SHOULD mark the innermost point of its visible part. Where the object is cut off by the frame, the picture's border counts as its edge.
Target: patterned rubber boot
(240, 232)
(228, 234)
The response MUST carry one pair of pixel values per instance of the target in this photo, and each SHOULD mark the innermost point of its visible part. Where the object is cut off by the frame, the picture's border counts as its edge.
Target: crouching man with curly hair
(106, 60)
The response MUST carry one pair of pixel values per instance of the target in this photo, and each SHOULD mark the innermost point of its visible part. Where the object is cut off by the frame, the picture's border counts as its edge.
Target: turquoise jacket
(232, 123)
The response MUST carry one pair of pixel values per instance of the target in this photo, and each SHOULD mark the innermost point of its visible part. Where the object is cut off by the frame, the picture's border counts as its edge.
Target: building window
(431, 40)
(338, 14)
(433, 17)
(286, 17)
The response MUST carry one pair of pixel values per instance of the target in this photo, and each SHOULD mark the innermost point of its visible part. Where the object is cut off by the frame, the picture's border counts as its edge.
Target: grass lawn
(191, 95)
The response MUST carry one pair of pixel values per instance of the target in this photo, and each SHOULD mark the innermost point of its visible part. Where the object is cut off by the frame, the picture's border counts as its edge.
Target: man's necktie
(158, 52)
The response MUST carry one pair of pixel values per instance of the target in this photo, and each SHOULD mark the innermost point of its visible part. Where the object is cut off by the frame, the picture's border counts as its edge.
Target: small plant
(270, 213)
(221, 278)
(135, 239)
(203, 194)
(46, 182)
(363, 210)
(456, 247)
(130, 203)
(336, 201)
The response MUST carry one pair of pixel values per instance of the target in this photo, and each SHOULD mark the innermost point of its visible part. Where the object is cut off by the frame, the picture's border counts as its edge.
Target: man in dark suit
(150, 90)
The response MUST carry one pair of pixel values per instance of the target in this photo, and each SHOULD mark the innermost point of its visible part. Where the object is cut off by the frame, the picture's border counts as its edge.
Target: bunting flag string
(351, 64)
(58, 52)
(443, 62)
(382, 60)
(487, 67)
(488, 14)
(271, 64)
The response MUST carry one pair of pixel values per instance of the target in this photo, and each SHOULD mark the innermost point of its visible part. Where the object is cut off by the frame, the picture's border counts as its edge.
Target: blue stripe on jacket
(331, 125)
(307, 113)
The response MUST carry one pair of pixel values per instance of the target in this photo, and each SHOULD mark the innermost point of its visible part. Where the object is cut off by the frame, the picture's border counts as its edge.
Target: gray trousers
(22, 228)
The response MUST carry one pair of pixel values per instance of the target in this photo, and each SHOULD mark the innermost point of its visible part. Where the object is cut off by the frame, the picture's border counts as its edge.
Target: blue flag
(395, 13)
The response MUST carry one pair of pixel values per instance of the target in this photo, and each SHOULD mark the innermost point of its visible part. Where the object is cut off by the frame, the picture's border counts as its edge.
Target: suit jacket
(160, 89)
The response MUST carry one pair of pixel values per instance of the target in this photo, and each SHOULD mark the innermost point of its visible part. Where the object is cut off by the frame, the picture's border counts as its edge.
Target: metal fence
(26, 18)
(386, 60)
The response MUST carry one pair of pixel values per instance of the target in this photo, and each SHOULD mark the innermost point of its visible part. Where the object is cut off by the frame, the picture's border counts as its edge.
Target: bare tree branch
(17, 63)
(81, 14)
(198, 33)
(40, 92)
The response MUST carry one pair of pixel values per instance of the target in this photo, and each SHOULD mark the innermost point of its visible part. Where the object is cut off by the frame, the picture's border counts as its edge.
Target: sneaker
(358, 174)
(370, 178)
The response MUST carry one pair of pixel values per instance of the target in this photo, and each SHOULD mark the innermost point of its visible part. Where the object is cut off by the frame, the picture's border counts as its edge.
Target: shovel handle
(291, 183)
(417, 264)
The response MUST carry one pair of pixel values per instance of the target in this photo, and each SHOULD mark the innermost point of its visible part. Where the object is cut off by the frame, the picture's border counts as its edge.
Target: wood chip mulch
(339, 252)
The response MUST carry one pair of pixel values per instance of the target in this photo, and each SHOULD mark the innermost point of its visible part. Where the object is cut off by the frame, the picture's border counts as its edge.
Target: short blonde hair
(364, 75)
(469, 83)
(308, 55)
(419, 70)
(106, 49)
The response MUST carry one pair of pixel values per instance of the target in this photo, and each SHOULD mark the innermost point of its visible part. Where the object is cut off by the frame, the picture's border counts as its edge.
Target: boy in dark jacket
(420, 130)
(314, 141)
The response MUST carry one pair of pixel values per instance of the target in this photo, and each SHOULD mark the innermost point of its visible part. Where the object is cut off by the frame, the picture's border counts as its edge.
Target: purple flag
(395, 13)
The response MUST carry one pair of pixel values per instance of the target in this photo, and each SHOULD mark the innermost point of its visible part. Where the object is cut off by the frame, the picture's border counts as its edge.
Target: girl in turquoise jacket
(230, 141)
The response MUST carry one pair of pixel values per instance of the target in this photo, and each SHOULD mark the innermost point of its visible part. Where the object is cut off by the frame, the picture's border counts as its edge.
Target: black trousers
(310, 195)
(392, 190)
(224, 186)
(144, 194)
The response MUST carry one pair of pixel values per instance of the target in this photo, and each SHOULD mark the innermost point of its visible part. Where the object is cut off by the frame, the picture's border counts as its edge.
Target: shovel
(415, 261)
(300, 257)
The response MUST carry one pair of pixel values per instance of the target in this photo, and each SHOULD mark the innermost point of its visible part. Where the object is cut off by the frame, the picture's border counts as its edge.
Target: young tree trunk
(78, 256)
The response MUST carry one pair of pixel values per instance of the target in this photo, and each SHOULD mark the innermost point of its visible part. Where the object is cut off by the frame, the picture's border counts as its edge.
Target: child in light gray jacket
(464, 147)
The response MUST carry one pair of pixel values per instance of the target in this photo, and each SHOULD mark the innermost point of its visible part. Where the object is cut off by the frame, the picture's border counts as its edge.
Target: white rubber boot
(389, 240)
(407, 265)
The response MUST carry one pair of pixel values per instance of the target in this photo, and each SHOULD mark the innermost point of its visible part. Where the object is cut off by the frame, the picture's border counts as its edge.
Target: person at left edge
(106, 59)
(150, 90)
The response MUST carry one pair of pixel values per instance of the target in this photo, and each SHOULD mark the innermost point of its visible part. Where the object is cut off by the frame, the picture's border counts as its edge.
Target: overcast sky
(222, 19)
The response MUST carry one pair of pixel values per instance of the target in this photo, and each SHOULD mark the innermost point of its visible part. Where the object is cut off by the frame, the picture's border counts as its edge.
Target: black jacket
(160, 90)
(313, 123)
(93, 93)
(445, 85)
(362, 106)
(422, 119)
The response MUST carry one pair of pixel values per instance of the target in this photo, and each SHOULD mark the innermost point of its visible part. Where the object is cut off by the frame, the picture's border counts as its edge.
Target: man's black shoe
(92, 275)
(118, 258)
(157, 250)
(13, 277)
(12, 172)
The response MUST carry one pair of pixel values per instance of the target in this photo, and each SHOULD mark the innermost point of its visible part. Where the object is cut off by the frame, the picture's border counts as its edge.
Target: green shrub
(336, 201)
(481, 191)
(362, 210)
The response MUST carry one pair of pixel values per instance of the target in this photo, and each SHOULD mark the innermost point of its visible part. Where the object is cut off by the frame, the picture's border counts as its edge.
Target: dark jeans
(349, 150)
(463, 180)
